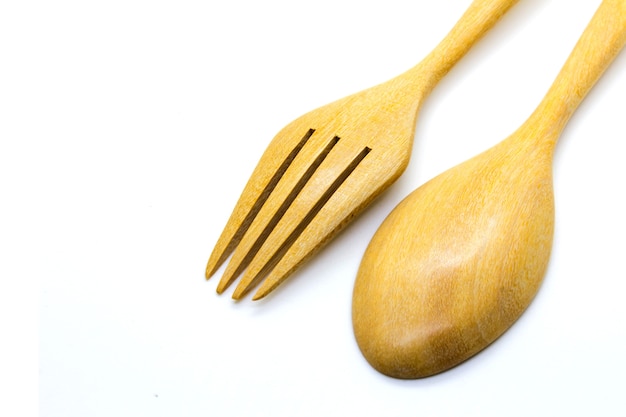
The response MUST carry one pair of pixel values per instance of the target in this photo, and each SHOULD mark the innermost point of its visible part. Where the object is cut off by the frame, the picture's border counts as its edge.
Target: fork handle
(481, 16)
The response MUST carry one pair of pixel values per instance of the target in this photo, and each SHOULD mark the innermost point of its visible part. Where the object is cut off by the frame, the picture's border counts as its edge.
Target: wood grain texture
(274, 229)
(459, 260)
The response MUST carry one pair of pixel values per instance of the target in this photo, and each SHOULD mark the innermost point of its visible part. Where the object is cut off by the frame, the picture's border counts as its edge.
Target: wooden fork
(323, 168)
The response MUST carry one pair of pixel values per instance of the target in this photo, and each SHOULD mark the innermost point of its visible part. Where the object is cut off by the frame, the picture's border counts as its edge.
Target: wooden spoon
(458, 261)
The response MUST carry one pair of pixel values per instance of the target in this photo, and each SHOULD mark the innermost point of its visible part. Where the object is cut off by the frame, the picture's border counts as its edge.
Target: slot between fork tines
(246, 285)
(258, 204)
(227, 279)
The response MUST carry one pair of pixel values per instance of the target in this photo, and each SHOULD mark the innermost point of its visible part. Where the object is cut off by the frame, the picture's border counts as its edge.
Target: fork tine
(261, 229)
(296, 243)
(251, 202)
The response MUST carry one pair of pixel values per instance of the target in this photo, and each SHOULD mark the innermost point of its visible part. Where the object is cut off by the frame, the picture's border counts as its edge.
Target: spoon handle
(602, 40)
(479, 17)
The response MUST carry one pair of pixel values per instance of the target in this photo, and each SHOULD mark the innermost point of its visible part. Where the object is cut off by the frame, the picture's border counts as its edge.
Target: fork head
(316, 175)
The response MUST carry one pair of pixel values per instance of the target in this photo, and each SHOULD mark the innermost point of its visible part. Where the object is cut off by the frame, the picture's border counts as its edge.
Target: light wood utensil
(459, 260)
(322, 169)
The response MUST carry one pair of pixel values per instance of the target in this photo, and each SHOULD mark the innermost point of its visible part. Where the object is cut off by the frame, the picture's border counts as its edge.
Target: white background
(128, 129)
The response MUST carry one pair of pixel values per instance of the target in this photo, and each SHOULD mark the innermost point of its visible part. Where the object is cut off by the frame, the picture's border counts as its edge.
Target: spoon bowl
(456, 262)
